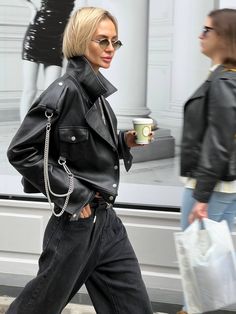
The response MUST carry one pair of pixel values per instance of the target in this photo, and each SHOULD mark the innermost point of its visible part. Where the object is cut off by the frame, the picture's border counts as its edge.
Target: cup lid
(142, 121)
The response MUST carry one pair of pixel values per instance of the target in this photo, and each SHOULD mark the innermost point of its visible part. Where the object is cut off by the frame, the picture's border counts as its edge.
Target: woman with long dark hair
(208, 149)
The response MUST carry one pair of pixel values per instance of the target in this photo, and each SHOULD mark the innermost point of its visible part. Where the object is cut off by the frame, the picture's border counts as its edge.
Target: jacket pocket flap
(73, 135)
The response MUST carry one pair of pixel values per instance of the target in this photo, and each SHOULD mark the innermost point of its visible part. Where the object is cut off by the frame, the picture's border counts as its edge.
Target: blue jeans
(221, 206)
(97, 254)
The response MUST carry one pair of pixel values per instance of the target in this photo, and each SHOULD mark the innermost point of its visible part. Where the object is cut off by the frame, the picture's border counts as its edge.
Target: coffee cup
(143, 128)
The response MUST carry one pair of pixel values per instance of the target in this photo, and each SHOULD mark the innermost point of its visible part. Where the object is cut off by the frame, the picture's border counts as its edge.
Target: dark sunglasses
(104, 43)
(206, 29)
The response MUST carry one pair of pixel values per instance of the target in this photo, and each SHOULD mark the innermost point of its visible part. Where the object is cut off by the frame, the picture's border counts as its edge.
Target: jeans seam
(113, 299)
(53, 232)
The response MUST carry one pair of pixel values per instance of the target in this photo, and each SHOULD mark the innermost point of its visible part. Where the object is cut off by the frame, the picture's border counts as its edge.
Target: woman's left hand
(199, 211)
(130, 138)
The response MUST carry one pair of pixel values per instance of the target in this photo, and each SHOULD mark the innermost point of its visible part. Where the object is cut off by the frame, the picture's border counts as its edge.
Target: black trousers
(94, 251)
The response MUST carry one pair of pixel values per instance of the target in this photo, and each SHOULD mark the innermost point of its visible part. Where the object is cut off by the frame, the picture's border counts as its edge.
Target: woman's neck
(217, 60)
(218, 57)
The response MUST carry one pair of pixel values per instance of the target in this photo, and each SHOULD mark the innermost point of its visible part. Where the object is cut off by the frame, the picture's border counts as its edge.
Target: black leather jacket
(78, 134)
(208, 149)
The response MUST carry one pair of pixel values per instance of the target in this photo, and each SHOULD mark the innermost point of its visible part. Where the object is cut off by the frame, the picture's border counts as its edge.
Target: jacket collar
(94, 84)
(219, 69)
(202, 90)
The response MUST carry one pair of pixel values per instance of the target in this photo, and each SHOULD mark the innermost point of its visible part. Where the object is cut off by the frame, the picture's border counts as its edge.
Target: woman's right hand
(199, 211)
(86, 212)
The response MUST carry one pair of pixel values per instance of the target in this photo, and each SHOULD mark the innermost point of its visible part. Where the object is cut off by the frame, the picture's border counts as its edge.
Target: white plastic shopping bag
(207, 266)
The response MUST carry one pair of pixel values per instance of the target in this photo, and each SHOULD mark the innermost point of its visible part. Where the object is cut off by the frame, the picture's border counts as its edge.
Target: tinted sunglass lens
(117, 44)
(205, 30)
(104, 43)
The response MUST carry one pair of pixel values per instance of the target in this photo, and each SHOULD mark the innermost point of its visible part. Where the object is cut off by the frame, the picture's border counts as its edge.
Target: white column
(176, 66)
(128, 71)
(190, 67)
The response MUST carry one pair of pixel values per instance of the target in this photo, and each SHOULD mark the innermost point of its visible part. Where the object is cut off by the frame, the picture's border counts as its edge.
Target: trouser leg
(78, 252)
(116, 286)
(63, 263)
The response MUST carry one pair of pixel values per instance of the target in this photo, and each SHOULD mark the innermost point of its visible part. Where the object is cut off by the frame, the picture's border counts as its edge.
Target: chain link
(61, 162)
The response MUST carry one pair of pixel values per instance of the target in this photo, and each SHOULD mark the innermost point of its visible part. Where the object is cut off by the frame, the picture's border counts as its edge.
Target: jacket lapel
(94, 120)
(95, 86)
(112, 122)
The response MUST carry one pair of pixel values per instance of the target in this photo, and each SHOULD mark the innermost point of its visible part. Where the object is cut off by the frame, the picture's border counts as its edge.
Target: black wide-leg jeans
(94, 251)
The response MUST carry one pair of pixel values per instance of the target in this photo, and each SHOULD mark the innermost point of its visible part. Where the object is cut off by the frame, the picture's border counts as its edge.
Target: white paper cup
(142, 127)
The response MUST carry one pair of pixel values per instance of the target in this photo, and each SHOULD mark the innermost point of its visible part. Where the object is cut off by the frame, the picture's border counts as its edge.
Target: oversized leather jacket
(78, 135)
(208, 149)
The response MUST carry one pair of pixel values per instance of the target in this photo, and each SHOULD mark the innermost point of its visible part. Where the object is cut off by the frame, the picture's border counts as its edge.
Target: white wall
(176, 66)
(227, 4)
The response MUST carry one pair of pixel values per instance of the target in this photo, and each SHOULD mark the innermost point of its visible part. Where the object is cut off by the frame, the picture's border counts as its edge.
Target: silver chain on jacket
(61, 162)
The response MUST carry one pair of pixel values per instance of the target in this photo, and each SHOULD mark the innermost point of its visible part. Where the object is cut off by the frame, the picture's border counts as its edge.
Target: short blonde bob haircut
(80, 29)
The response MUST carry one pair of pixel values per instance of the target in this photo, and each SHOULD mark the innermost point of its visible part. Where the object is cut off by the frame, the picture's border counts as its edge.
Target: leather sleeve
(219, 138)
(124, 151)
(26, 152)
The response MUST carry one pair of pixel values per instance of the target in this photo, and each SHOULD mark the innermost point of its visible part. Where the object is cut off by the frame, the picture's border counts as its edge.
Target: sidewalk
(70, 309)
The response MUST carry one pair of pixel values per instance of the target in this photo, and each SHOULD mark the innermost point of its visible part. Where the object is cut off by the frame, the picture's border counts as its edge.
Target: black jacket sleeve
(219, 139)
(26, 153)
(124, 151)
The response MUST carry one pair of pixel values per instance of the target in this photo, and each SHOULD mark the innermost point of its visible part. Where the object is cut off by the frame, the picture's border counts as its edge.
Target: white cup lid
(142, 121)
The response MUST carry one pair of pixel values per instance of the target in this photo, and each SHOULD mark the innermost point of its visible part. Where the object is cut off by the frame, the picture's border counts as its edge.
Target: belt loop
(109, 205)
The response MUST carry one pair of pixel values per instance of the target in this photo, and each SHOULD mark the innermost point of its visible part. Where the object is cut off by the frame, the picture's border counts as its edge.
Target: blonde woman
(84, 242)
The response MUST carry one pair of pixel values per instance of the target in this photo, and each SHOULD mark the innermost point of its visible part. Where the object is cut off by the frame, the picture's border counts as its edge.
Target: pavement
(70, 308)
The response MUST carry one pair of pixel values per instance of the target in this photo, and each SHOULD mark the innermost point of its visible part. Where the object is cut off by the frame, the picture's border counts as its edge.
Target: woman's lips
(107, 59)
